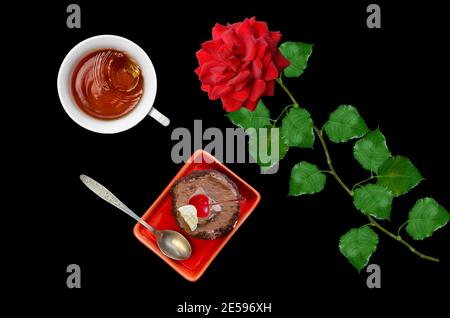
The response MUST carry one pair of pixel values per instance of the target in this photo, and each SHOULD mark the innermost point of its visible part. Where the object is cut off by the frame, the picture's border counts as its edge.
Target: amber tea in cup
(107, 84)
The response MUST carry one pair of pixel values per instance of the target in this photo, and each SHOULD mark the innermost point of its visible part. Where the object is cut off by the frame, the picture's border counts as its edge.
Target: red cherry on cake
(201, 203)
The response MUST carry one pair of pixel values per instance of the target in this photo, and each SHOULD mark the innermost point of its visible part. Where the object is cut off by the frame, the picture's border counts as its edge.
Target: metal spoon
(171, 243)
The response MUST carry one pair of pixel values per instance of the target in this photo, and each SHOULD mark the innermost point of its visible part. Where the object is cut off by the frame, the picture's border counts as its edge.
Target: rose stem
(350, 192)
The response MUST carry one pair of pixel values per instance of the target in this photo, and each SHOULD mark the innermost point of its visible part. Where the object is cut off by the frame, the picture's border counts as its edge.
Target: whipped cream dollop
(189, 215)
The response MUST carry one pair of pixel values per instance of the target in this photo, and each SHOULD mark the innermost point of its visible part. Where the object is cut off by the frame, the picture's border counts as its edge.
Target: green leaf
(399, 175)
(298, 54)
(426, 217)
(306, 178)
(244, 118)
(344, 124)
(263, 137)
(374, 200)
(371, 151)
(297, 128)
(357, 245)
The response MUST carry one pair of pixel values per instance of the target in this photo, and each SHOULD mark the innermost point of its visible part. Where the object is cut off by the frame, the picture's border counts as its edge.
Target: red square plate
(160, 216)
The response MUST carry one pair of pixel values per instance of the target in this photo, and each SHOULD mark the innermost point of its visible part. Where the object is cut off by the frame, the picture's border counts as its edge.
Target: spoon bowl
(171, 243)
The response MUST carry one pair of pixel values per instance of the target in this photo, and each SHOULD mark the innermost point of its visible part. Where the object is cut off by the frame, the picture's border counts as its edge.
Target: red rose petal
(250, 48)
(211, 46)
(270, 72)
(205, 71)
(270, 88)
(244, 66)
(250, 105)
(220, 91)
(230, 39)
(261, 28)
(204, 57)
(241, 95)
(234, 25)
(217, 31)
(218, 69)
(243, 30)
(216, 79)
(259, 86)
(219, 78)
(275, 37)
(280, 61)
(243, 85)
(242, 76)
(234, 65)
(261, 47)
(224, 54)
(257, 67)
(230, 104)
(267, 58)
(221, 70)
(205, 87)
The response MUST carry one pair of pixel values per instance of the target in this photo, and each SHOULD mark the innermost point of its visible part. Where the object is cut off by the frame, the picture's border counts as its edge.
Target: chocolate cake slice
(218, 188)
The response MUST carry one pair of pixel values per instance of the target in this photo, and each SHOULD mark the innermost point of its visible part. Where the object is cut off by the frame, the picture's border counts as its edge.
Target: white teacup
(143, 108)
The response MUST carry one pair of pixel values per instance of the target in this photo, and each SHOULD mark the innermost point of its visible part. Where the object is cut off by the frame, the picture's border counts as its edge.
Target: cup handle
(163, 120)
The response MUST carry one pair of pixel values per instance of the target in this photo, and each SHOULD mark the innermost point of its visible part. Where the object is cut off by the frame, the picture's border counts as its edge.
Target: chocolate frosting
(217, 187)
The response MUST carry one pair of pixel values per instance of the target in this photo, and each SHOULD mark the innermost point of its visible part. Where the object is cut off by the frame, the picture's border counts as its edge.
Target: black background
(287, 251)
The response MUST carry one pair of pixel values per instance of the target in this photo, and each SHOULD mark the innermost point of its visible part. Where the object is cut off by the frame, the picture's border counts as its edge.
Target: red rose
(240, 64)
